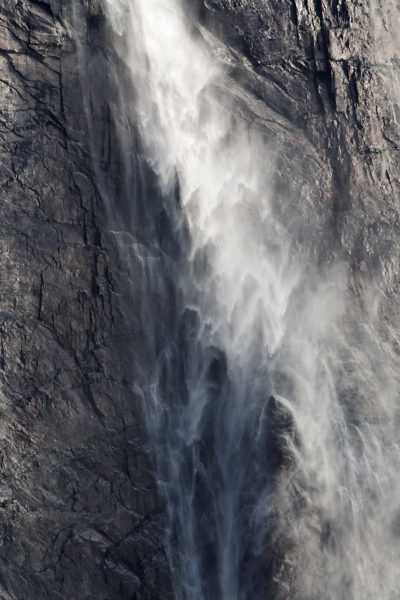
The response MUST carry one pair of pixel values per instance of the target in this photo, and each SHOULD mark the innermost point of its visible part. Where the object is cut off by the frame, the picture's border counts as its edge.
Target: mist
(273, 413)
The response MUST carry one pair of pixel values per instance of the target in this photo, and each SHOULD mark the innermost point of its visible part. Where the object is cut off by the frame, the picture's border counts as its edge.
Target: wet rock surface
(80, 516)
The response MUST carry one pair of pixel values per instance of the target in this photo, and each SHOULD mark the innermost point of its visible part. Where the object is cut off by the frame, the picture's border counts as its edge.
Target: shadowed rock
(280, 433)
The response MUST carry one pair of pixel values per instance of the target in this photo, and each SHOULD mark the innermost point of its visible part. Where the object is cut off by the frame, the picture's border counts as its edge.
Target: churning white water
(310, 475)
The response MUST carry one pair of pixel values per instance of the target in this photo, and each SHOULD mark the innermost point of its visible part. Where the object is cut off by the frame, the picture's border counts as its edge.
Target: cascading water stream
(255, 448)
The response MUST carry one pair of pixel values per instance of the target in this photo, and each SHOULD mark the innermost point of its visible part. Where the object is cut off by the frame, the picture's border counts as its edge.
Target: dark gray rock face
(319, 75)
(80, 516)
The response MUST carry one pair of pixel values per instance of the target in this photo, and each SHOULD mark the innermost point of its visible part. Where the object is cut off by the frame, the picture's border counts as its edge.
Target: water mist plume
(276, 432)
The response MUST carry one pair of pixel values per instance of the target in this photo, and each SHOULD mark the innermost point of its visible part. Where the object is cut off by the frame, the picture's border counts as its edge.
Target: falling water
(272, 410)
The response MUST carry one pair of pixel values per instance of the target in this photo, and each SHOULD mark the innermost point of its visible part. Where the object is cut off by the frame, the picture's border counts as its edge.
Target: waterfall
(272, 411)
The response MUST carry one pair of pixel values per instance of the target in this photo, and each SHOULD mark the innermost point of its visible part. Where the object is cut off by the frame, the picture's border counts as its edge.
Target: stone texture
(79, 514)
(80, 517)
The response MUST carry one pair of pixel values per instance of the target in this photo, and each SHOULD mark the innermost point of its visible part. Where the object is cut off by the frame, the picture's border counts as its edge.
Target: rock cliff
(80, 516)
(319, 79)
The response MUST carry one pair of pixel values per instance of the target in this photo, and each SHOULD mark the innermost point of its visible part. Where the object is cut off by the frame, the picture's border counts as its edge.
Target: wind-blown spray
(255, 447)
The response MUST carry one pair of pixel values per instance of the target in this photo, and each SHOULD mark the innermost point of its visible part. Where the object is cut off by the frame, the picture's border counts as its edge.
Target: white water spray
(262, 322)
